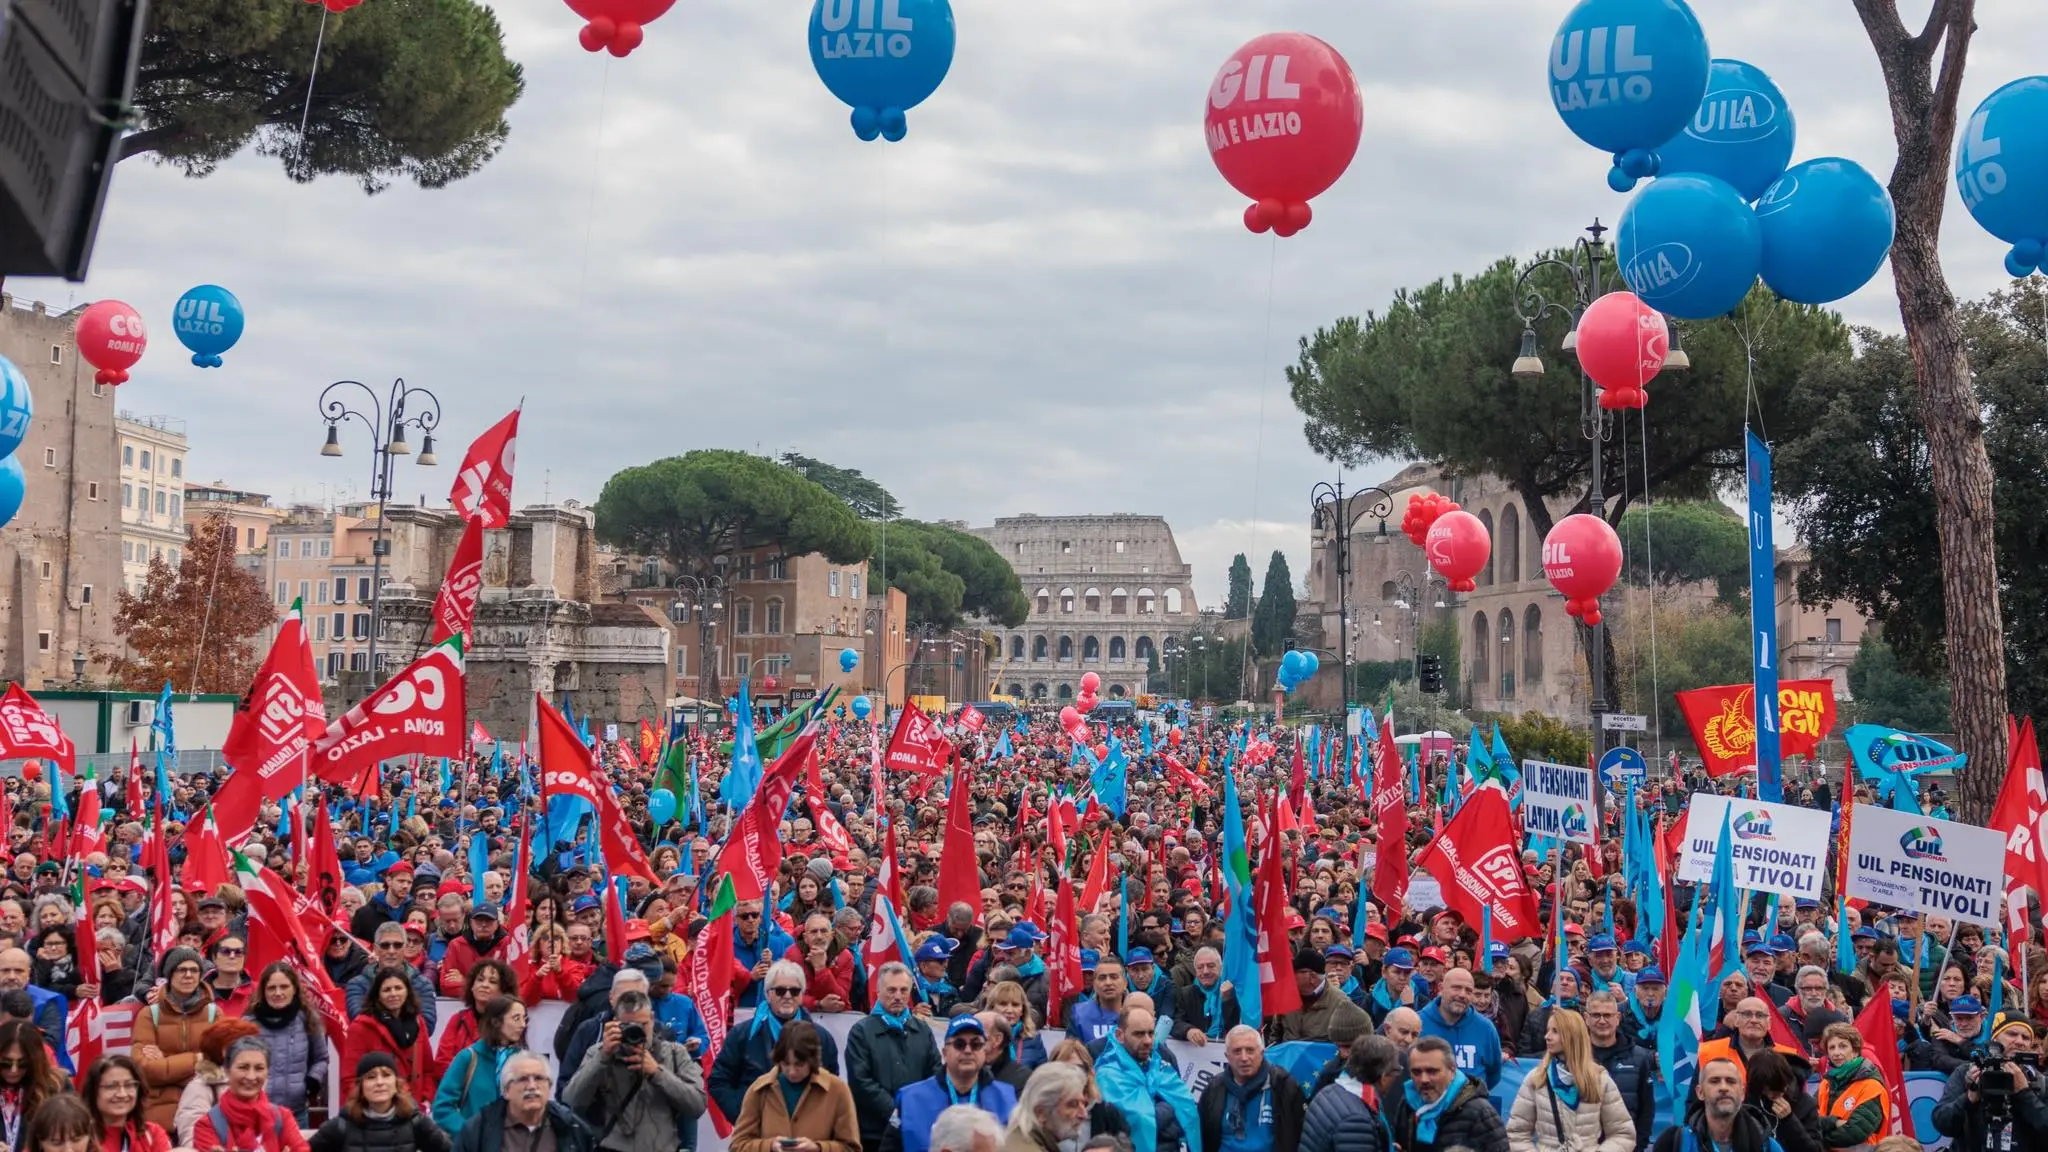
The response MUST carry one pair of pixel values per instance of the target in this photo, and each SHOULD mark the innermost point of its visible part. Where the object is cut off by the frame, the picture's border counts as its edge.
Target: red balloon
(1458, 545)
(614, 25)
(1283, 122)
(1086, 704)
(1100, 750)
(1622, 345)
(1423, 509)
(1582, 559)
(31, 770)
(768, 683)
(1070, 717)
(1173, 736)
(111, 337)
(1090, 683)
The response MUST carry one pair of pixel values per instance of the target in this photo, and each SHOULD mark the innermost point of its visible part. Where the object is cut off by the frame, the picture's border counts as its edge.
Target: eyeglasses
(119, 1087)
(12, 1065)
(229, 951)
(785, 991)
(390, 945)
(749, 915)
(967, 1044)
(533, 1078)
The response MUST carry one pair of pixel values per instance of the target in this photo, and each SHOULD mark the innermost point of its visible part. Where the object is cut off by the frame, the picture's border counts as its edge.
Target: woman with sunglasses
(229, 981)
(168, 1030)
(27, 1077)
(297, 1040)
(113, 1094)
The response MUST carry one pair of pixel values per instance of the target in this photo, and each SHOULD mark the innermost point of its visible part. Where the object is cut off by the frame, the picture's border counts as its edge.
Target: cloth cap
(1651, 975)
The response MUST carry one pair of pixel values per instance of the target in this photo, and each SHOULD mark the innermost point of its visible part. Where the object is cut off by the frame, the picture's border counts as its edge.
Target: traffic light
(1431, 670)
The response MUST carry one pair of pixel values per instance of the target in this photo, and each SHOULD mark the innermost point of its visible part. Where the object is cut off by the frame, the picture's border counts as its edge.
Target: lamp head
(333, 445)
(1528, 365)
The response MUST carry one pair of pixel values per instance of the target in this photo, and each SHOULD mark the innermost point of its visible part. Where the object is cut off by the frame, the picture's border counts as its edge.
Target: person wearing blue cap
(1760, 963)
(963, 1079)
(935, 994)
(1020, 948)
(1946, 1042)
(1395, 987)
(889, 1049)
(1142, 974)
(1644, 1006)
(1603, 966)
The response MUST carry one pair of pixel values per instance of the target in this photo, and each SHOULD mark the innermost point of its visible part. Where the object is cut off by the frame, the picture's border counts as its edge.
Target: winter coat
(1633, 1069)
(641, 1112)
(463, 955)
(1339, 1120)
(367, 1034)
(919, 1105)
(1962, 1119)
(823, 1113)
(1190, 1011)
(469, 1085)
(459, 1034)
(486, 1133)
(880, 1061)
(1314, 1021)
(234, 1001)
(298, 1060)
(176, 1034)
(415, 1133)
(745, 1059)
(836, 978)
(1281, 1091)
(1469, 1122)
(201, 1093)
(358, 992)
(1540, 1122)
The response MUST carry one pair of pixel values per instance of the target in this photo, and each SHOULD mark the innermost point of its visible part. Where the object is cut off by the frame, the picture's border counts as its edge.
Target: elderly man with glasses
(390, 953)
(963, 1079)
(524, 1117)
(748, 1052)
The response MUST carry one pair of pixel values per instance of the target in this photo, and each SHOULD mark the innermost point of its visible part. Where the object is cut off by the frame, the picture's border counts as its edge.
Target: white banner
(1557, 801)
(1777, 847)
(1918, 862)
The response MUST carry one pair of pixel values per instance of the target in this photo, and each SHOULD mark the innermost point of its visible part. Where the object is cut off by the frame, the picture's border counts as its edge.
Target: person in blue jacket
(963, 1079)
(757, 942)
(1474, 1042)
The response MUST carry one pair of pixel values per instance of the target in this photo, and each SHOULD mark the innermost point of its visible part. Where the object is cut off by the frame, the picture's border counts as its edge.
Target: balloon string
(1259, 452)
(604, 92)
(312, 74)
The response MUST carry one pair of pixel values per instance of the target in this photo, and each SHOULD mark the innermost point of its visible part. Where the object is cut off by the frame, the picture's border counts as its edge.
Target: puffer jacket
(1633, 1068)
(298, 1059)
(1594, 1126)
(1468, 1122)
(1339, 1120)
(416, 1133)
(176, 1034)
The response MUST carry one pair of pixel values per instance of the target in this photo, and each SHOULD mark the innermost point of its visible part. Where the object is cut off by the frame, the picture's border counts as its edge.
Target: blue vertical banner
(1763, 619)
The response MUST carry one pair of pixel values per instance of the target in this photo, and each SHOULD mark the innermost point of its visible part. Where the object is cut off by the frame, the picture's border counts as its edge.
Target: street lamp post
(706, 595)
(1582, 266)
(387, 421)
(1328, 508)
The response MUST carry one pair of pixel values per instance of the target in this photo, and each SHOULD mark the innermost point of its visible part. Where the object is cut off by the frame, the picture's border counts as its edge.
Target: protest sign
(1939, 866)
(1557, 801)
(1777, 847)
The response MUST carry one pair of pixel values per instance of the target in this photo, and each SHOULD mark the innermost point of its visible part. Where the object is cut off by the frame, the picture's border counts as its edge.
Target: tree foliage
(1212, 670)
(1858, 474)
(194, 625)
(695, 508)
(1273, 617)
(1239, 605)
(1441, 637)
(1684, 541)
(1884, 693)
(1370, 679)
(405, 88)
(946, 574)
(1697, 647)
(868, 499)
(1540, 736)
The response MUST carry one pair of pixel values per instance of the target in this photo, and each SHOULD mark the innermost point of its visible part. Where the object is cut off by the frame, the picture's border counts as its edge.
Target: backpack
(219, 1120)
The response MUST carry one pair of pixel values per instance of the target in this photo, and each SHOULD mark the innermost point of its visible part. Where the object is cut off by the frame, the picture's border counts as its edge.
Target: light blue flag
(1003, 745)
(1727, 901)
(1109, 779)
(1477, 760)
(479, 860)
(697, 801)
(1241, 928)
(498, 761)
(1504, 766)
(744, 779)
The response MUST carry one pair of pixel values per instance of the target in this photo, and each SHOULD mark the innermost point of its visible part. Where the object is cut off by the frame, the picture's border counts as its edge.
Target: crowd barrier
(1198, 1064)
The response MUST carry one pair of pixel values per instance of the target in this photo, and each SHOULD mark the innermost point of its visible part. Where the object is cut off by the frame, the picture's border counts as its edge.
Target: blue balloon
(1689, 246)
(661, 805)
(2002, 169)
(1310, 662)
(883, 57)
(208, 321)
(17, 407)
(1291, 664)
(13, 489)
(1742, 131)
(1827, 225)
(1626, 75)
(861, 707)
(848, 659)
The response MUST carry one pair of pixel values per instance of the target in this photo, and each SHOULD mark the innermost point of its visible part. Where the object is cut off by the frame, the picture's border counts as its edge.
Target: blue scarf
(1212, 1006)
(1032, 967)
(1563, 1086)
(1384, 996)
(896, 1023)
(1426, 1115)
(774, 1023)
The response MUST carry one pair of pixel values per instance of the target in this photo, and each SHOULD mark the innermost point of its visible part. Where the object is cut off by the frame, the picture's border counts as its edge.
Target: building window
(85, 594)
(56, 353)
(778, 568)
(1066, 691)
(359, 626)
(160, 494)
(1066, 647)
(1116, 648)
(1119, 547)
(282, 588)
(49, 457)
(340, 590)
(92, 490)
(340, 624)
(326, 549)
(284, 548)
(747, 567)
(832, 583)
(1119, 602)
(743, 619)
(771, 618)
(319, 627)
(1066, 547)
(128, 550)
(853, 585)
(1067, 601)
(1173, 601)
(145, 460)
(176, 507)
(1091, 648)
(742, 666)
(1092, 600)
(358, 661)
(1144, 649)
(42, 641)
(127, 495)
(251, 545)
(321, 591)
(46, 569)
(679, 611)
(174, 557)
(1144, 602)
(1532, 645)
(362, 590)
(1038, 648)
(1016, 649)
(177, 467)
(128, 455)
(1044, 602)
(682, 659)
(305, 590)
(1834, 631)
(334, 660)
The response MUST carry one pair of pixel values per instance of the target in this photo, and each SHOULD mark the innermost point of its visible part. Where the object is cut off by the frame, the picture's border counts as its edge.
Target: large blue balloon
(661, 804)
(1310, 662)
(1293, 664)
(13, 489)
(1689, 246)
(1626, 75)
(17, 407)
(861, 707)
(1827, 226)
(883, 57)
(848, 659)
(1741, 132)
(208, 321)
(2002, 170)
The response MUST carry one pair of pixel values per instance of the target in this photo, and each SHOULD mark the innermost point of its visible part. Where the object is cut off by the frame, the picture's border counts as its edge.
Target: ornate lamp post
(706, 596)
(387, 421)
(1328, 509)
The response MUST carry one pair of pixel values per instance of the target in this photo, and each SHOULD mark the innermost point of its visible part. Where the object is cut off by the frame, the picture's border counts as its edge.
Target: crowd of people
(959, 1046)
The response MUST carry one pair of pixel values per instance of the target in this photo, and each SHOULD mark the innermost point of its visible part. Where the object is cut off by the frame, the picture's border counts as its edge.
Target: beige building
(1815, 642)
(152, 493)
(250, 514)
(306, 556)
(60, 557)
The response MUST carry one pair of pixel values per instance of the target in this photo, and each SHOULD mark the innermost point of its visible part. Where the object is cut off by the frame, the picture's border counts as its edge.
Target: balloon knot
(627, 38)
(1619, 180)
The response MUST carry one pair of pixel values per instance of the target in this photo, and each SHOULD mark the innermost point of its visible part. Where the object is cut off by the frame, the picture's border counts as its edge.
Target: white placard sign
(1929, 865)
(1557, 801)
(1777, 847)
(1424, 893)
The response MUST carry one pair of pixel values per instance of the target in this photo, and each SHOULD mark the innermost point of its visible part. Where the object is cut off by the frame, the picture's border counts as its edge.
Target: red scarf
(253, 1125)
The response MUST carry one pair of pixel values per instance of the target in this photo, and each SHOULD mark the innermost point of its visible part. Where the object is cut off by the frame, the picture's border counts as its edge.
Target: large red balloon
(1283, 123)
(1622, 345)
(1458, 545)
(111, 337)
(1582, 558)
(1070, 716)
(1423, 509)
(1090, 682)
(614, 25)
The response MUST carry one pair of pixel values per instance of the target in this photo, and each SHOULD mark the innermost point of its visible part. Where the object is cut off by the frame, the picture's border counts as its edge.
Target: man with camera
(635, 1087)
(2001, 1088)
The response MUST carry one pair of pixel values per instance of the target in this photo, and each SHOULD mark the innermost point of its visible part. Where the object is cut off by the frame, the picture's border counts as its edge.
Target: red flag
(1098, 880)
(706, 978)
(134, 803)
(85, 1037)
(2022, 814)
(917, 745)
(207, 866)
(831, 832)
(752, 850)
(477, 735)
(519, 949)
(971, 718)
(1285, 822)
(483, 488)
(1881, 1048)
(156, 861)
(1476, 863)
(1297, 786)
(26, 730)
(1183, 777)
(959, 867)
(1063, 951)
(323, 871)
(1781, 1031)
(1723, 721)
(277, 932)
(888, 875)
(272, 733)
(86, 837)
(418, 712)
(1390, 816)
(614, 922)
(814, 776)
(567, 770)
(455, 602)
(1278, 992)
(650, 744)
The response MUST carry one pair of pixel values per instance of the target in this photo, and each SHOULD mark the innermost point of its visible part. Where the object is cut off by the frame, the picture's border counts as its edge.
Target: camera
(633, 1035)
(1993, 1080)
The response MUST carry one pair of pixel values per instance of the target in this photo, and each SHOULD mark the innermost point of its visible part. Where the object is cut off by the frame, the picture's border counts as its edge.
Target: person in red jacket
(391, 1023)
(828, 966)
(484, 939)
(245, 1120)
(558, 970)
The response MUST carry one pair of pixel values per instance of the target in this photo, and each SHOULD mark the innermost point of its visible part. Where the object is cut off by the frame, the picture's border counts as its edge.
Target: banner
(917, 745)
(1763, 620)
(1557, 801)
(1478, 863)
(27, 730)
(1777, 847)
(418, 712)
(1724, 725)
(1935, 866)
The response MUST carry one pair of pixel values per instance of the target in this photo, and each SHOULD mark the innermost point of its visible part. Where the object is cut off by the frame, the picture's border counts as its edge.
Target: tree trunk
(1923, 105)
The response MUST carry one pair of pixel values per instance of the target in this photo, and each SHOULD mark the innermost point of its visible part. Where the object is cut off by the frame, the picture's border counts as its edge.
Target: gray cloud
(1043, 300)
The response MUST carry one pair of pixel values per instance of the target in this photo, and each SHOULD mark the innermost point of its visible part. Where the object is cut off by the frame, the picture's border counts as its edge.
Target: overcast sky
(1043, 300)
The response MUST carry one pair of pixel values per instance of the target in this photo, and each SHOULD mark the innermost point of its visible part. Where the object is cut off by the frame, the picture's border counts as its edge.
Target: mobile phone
(785, 1142)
